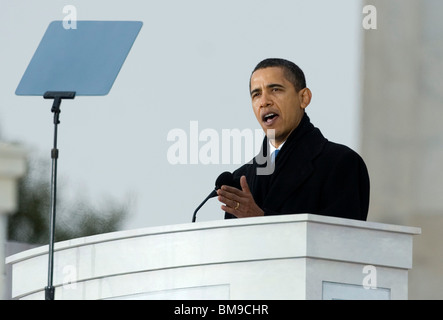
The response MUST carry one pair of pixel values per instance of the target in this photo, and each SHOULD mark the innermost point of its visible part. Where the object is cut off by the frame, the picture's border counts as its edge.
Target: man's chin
(270, 133)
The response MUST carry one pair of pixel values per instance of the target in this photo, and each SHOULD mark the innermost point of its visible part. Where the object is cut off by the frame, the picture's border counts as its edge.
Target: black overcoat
(311, 175)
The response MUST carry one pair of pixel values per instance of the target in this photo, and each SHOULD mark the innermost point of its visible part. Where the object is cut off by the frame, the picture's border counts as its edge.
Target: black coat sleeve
(345, 192)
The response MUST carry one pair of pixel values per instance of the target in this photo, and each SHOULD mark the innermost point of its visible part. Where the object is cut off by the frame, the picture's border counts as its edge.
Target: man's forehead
(266, 76)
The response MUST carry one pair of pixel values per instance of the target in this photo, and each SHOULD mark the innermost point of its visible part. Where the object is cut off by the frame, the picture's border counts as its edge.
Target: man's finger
(230, 210)
(244, 184)
(230, 189)
(227, 196)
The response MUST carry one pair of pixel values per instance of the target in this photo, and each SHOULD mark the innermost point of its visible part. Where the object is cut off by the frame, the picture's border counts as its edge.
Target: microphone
(225, 178)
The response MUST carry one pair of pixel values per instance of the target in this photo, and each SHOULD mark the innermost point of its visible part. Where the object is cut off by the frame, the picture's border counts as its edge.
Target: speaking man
(309, 173)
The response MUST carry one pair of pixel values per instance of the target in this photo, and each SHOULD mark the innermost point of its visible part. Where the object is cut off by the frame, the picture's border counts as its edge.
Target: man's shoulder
(243, 170)
(333, 150)
(338, 147)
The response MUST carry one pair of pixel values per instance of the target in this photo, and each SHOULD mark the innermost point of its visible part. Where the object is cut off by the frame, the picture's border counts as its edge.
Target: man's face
(276, 103)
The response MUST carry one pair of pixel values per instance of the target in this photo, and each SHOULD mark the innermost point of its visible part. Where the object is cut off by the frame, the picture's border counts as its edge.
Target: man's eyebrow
(255, 90)
(275, 85)
(270, 86)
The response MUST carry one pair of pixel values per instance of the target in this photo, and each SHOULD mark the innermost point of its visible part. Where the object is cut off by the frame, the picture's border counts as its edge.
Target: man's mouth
(269, 118)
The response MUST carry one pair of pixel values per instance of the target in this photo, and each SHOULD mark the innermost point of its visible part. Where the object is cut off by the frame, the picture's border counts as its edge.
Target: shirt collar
(272, 148)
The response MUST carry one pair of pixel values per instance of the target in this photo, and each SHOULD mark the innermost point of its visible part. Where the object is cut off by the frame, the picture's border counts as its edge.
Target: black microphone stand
(57, 96)
(225, 178)
(211, 195)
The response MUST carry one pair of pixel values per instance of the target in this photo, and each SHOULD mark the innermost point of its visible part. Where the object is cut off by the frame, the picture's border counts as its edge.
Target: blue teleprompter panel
(85, 60)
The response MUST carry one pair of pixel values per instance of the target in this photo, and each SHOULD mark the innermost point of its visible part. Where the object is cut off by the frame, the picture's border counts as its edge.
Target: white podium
(300, 256)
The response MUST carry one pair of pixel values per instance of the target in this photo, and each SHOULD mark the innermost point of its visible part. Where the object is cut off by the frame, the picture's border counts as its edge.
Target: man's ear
(305, 97)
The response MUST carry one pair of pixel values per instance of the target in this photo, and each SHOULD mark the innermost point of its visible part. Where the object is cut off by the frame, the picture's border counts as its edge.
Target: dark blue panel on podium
(85, 60)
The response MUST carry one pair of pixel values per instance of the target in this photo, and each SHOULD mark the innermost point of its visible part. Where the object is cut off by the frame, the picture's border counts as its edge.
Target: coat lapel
(294, 165)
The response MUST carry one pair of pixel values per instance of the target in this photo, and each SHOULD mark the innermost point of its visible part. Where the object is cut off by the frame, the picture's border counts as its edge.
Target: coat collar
(295, 161)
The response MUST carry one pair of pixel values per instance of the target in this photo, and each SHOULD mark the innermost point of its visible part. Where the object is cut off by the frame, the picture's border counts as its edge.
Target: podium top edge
(216, 224)
(309, 217)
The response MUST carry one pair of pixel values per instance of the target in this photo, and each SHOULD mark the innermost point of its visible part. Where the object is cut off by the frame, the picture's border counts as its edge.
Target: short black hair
(292, 72)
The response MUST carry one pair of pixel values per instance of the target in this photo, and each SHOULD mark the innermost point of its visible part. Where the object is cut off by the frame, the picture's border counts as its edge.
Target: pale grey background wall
(191, 62)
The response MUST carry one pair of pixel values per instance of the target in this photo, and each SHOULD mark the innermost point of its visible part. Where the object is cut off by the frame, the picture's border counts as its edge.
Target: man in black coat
(310, 174)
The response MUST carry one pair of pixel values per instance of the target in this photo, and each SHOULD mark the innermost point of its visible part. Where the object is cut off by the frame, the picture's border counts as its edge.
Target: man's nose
(265, 100)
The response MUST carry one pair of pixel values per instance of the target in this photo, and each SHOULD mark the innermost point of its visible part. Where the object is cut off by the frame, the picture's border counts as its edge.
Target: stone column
(402, 130)
(12, 167)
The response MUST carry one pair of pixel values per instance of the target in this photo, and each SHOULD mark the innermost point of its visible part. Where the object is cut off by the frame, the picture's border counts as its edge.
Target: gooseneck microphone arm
(225, 178)
(211, 195)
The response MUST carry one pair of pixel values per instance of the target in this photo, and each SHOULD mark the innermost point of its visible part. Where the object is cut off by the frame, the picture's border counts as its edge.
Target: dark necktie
(274, 155)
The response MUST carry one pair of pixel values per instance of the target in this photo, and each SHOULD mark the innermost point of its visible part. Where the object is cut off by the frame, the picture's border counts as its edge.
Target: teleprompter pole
(57, 96)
